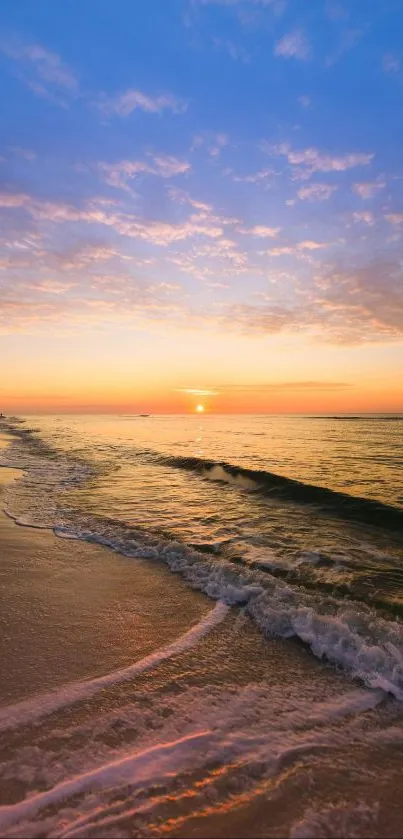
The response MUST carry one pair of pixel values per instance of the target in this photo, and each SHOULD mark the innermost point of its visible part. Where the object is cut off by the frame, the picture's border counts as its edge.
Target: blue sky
(230, 167)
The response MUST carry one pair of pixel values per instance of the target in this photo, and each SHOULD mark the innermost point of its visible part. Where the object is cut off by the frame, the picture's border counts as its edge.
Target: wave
(283, 488)
(346, 632)
(362, 418)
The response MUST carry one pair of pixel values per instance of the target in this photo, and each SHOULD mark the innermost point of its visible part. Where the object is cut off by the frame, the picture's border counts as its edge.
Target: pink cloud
(164, 166)
(316, 192)
(16, 199)
(367, 190)
(261, 231)
(293, 45)
(131, 100)
(312, 160)
(366, 217)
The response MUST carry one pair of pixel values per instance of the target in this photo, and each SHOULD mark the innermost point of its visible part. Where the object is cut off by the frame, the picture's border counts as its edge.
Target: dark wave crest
(342, 504)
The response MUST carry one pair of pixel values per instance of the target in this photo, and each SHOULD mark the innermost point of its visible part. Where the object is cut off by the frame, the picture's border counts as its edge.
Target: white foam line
(31, 710)
(142, 767)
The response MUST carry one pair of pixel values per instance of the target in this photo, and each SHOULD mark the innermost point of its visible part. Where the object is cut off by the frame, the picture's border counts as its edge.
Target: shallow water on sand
(152, 709)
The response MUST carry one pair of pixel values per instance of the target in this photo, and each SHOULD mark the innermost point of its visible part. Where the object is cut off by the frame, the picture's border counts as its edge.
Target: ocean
(272, 710)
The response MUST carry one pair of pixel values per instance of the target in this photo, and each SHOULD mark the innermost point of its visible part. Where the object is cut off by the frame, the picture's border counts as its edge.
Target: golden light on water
(199, 409)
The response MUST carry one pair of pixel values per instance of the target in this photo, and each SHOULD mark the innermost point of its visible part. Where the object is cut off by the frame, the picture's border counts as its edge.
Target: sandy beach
(70, 610)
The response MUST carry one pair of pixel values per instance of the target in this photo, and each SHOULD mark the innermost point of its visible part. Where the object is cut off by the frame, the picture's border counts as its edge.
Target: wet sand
(227, 735)
(71, 610)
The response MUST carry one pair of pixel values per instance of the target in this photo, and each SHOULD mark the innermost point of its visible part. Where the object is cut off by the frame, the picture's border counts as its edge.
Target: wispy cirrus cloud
(390, 63)
(262, 176)
(195, 391)
(365, 217)
(245, 9)
(156, 232)
(282, 250)
(368, 190)
(268, 387)
(124, 104)
(261, 231)
(204, 222)
(308, 245)
(263, 3)
(235, 51)
(293, 45)
(120, 173)
(43, 71)
(265, 387)
(312, 160)
(14, 199)
(212, 141)
(316, 192)
(343, 306)
(180, 196)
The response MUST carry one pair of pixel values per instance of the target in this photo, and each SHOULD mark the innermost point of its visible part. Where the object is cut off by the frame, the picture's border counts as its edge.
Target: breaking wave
(288, 489)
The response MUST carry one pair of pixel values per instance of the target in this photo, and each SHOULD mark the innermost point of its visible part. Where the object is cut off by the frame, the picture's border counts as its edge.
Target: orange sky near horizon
(173, 371)
(288, 397)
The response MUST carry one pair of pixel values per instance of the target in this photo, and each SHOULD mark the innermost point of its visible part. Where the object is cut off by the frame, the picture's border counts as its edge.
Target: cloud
(180, 196)
(213, 141)
(43, 71)
(365, 216)
(235, 51)
(348, 40)
(156, 232)
(367, 190)
(318, 162)
(284, 250)
(194, 391)
(268, 387)
(264, 3)
(293, 45)
(16, 199)
(340, 306)
(390, 64)
(210, 260)
(261, 231)
(312, 160)
(103, 212)
(50, 286)
(263, 176)
(395, 218)
(245, 9)
(26, 154)
(304, 101)
(299, 248)
(164, 166)
(13, 261)
(131, 100)
(309, 245)
(316, 192)
(366, 302)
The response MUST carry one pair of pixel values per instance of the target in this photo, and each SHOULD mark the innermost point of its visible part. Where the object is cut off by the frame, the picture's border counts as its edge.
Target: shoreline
(71, 610)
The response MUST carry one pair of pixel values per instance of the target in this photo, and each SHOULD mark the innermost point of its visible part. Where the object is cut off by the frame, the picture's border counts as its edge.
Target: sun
(199, 409)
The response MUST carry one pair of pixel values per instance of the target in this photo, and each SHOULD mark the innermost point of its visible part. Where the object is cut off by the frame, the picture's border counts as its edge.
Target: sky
(201, 203)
